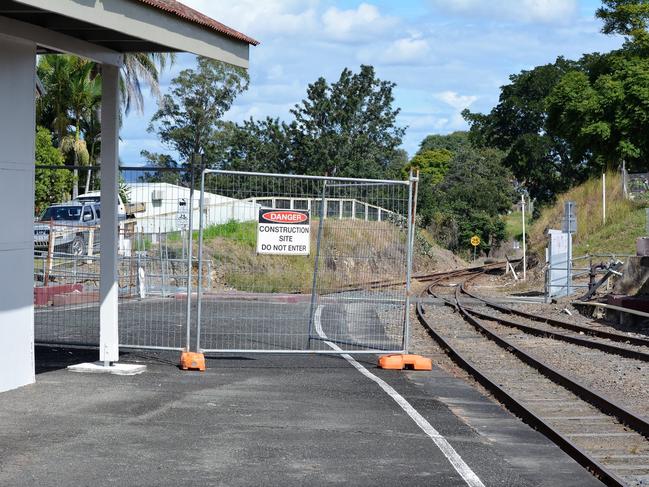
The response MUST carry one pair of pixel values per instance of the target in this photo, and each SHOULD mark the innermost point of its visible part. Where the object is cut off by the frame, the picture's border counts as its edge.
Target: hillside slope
(625, 219)
(353, 252)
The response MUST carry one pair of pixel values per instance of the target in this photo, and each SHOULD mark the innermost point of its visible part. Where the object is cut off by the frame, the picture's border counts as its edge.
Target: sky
(443, 55)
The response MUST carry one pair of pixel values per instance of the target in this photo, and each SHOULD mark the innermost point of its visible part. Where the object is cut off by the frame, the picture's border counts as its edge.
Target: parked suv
(95, 197)
(71, 224)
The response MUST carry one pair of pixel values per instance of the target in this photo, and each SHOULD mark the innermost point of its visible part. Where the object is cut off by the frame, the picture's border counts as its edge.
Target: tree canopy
(345, 128)
(189, 117)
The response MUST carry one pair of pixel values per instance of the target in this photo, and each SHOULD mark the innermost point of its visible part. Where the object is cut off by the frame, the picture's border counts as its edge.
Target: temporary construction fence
(191, 276)
(153, 264)
(296, 276)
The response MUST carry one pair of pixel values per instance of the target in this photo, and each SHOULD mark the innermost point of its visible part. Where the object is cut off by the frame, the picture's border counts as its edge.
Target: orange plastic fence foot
(192, 361)
(405, 361)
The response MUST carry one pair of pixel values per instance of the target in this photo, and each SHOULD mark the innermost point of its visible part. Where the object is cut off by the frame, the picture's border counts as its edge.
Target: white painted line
(460, 466)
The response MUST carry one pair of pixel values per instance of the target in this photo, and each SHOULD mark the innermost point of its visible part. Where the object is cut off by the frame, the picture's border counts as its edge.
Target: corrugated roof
(176, 8)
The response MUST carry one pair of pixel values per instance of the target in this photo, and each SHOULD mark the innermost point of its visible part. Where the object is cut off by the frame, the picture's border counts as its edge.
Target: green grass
(514, 225)
(625, 219)
(242, 232)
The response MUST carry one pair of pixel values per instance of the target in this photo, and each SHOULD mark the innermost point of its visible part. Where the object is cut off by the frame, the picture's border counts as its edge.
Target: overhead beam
(145, 22)
(58, 42)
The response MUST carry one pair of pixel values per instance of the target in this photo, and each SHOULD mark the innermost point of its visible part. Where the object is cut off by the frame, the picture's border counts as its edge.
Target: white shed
(160, 203)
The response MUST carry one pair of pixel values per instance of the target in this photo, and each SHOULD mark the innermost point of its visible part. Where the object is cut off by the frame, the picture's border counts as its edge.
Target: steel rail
(613, 336)
(518, 408)
(584, 342)
(604, 404)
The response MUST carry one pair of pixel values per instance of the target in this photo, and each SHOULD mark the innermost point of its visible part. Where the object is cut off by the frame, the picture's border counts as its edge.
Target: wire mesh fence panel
(153, 258)
(155, 255)
(294, 263)
(66, 258)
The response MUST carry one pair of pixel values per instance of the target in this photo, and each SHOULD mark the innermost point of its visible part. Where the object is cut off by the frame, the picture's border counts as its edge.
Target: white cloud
(256, 18)
(455, 100)
(541, 11)
(407, 50)
(355, 24)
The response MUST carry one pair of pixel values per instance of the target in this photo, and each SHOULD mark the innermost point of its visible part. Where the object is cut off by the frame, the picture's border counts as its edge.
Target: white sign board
(182, 215)
(283, 232)
(558, 258)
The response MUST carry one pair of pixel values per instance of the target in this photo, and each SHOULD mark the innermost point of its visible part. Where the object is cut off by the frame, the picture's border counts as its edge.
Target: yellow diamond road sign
(475, 240)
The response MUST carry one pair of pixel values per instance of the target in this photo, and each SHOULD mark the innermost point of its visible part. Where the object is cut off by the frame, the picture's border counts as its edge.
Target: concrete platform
(115, 368)
(261, 420)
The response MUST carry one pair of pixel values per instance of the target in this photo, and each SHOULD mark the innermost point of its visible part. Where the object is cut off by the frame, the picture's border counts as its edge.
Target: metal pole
(163, 278)
(189, 257)
(200, 262)
(411, 230)
(569, 252)
(317, 258)
(524, 244)
(604, 198)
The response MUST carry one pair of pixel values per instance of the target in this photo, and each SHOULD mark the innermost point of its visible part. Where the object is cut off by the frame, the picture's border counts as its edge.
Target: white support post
(604, 198)
(353, 209)
(524, 238)
(17, 74)
(108, 290)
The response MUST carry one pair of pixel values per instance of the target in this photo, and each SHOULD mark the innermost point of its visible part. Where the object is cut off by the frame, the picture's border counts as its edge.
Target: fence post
(200, 262)
(50, 250)
(317, 260)
(410, 237)
(189, 258)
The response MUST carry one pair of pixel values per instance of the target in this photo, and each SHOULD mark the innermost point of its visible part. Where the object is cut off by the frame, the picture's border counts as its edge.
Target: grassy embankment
(514, 225)
(352, 252)
(625, 219)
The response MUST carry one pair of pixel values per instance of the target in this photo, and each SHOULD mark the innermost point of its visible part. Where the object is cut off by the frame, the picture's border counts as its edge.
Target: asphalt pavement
(262, 420)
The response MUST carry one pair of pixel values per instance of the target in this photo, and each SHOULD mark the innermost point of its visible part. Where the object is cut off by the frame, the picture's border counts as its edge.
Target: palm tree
(142, 68)
(84, 98)
(53, 108)
(70, 106)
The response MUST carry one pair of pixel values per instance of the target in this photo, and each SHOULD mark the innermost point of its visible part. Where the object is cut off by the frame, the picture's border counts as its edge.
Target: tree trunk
(75, 185)
(88, 181)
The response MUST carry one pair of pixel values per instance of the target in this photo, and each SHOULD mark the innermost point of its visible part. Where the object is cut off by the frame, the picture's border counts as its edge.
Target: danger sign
(283, 232)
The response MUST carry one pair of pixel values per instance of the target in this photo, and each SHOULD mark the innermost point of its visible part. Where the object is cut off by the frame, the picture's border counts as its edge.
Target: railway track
(602, 435)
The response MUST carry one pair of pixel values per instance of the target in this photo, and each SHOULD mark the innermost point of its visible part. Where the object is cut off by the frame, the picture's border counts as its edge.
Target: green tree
(454, 142)
(52, 109)
(347, 128)
(262, 145)
(604, 115)
(476, 190)
(142, 68)
(433, 162)
(626, 17)
(189, 118)
(51, 185)
(544, 163)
